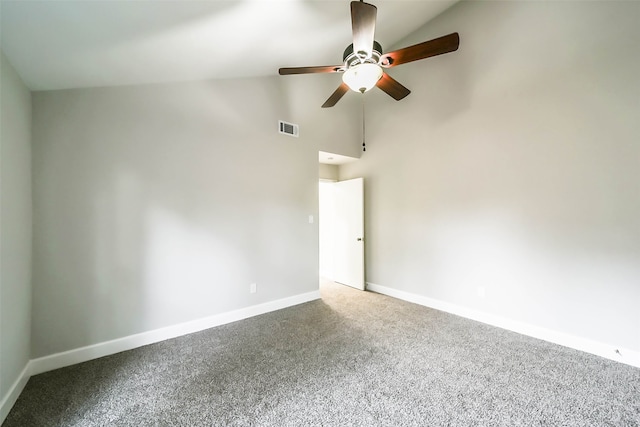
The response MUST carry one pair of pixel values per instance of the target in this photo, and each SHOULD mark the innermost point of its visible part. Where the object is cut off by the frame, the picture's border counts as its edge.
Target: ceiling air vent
(288, 128)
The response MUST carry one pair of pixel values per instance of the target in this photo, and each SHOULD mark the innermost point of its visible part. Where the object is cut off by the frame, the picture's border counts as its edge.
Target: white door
(348, 261)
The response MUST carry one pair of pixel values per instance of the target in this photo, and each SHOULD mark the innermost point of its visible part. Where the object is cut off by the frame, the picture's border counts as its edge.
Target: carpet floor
(351, 359)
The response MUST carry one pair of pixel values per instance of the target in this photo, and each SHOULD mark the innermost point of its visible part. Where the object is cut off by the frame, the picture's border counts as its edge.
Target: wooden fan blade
(363, 24)
(335, 97)
(311, 70)
(391, 86)
(444, 44)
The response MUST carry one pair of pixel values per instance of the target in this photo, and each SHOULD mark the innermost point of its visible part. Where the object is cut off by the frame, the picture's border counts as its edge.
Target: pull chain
(364, 147)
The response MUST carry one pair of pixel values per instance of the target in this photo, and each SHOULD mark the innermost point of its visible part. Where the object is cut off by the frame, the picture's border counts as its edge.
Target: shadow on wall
(334, 130)
(151, 202)
(522, 180)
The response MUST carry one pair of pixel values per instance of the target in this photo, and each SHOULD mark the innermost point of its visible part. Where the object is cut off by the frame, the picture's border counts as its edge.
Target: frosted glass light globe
(362, 77)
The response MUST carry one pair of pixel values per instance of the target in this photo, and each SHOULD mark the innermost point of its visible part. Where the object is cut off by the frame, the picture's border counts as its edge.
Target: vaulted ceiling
(70, 43)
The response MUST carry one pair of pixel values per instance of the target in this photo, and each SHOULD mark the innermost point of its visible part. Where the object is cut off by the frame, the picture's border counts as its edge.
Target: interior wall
(328, 172)
(337, 129)
(513, 169)
(160, 204)
(326, 226)
(15, 226)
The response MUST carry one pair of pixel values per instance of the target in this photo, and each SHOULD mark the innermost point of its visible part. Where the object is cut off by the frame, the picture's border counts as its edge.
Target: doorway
(341, 231)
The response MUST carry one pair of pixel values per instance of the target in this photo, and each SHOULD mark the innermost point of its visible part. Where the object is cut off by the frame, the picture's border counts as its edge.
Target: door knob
(359, 239)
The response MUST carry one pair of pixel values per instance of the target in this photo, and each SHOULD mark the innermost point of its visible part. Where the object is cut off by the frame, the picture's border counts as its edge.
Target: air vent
(288, 128)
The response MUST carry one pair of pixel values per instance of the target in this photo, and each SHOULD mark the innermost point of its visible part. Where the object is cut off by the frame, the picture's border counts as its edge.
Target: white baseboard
(83, 354)
(12, 395)
(608, 351)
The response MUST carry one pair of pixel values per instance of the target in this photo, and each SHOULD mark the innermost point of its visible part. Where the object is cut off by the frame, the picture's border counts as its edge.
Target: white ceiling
(334, 159)
(59, 44)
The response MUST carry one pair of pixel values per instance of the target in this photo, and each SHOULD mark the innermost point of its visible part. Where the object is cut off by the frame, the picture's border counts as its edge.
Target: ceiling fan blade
(335, 96)
(444, 44)
(311, 70)
(391, 86)
(363, 24)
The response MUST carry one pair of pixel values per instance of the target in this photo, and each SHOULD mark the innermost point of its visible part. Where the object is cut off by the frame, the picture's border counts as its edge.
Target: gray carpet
(352, 359)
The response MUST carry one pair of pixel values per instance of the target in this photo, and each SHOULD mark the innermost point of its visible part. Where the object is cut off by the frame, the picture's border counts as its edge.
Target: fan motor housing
(352, 58)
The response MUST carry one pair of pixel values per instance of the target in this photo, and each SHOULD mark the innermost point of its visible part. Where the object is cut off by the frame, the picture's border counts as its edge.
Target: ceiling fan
(364, 61)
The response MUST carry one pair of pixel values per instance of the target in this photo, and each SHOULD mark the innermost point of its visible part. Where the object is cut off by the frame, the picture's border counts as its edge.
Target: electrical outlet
(253, 288)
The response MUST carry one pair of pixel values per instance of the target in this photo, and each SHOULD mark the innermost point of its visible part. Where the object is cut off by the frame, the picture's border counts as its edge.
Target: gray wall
(514, 165)
(15, 226)
(160, 204)
(337, 129)
(328, 172)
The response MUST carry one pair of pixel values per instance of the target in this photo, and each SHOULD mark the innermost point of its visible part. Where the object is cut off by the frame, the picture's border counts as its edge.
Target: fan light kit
(364, 62)
(362, 77)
